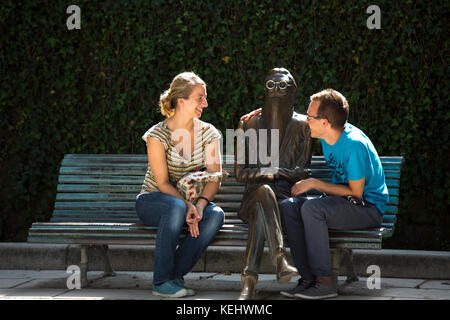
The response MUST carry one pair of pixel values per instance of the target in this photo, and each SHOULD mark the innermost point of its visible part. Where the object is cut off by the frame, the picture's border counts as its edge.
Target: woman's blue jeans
(168, 213)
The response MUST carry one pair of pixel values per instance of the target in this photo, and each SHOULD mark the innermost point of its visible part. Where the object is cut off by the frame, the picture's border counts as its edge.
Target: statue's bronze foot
(284, 270)
(248, 287)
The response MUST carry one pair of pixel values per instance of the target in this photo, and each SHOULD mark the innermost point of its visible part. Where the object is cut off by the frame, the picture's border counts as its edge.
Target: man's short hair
(333, 107)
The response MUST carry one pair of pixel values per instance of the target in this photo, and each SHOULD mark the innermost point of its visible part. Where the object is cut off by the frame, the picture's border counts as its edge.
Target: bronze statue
(268, 184)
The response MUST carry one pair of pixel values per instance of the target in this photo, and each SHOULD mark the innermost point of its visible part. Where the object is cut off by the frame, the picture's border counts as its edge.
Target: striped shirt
(178, 166)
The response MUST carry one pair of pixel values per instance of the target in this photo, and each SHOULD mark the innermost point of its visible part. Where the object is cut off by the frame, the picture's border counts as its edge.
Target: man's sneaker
(301, 286)
(169, 289)
(180, 282)
(318, 291)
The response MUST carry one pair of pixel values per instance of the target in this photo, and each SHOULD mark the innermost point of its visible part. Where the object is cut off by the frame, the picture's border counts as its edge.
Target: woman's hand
(251, 114)
(192, 219)
(199, 208)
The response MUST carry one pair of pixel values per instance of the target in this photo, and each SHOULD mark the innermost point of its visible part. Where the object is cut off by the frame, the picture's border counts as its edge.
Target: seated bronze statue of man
(287, 138)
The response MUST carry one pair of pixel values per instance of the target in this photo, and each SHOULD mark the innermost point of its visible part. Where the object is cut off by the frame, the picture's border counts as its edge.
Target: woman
(177, 146)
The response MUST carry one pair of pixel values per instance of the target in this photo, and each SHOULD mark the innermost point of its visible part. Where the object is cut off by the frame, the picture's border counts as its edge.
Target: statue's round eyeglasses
(272, 85)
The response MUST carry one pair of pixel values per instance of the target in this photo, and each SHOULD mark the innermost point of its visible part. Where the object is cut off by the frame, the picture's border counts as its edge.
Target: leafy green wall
(96, 90)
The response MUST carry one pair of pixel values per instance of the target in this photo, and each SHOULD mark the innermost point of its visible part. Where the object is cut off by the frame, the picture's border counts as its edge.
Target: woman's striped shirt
(177, 165)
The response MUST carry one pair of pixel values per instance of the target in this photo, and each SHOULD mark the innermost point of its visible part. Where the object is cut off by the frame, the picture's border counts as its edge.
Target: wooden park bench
(95, 207)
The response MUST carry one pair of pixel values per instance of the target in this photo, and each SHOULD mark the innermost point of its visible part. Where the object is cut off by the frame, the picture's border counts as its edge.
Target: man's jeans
(306, 223)
(168, 213)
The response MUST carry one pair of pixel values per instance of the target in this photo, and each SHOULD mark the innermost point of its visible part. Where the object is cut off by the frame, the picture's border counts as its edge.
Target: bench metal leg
(343, 255)
(84, 265)
(348, 259)
(108, 270)
(336, 257)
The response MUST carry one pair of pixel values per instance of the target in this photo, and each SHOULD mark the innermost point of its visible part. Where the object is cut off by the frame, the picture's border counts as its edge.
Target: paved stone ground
(52, 285)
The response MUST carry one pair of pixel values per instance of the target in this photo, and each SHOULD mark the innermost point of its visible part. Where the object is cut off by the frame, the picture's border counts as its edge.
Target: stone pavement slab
(436, 284)
(30, 294)
(108, 294)
(413, 293)
(395, 288)
(11, 283)
(51, 284)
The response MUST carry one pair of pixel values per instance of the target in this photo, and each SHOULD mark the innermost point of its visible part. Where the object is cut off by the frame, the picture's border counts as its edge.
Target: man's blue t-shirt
(354, 157)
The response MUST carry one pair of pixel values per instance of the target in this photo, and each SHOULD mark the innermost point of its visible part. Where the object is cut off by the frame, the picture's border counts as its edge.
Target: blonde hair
(181, 87)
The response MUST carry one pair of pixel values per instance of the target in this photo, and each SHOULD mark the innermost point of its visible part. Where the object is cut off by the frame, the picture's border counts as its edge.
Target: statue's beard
(277, 111)
(278, 103)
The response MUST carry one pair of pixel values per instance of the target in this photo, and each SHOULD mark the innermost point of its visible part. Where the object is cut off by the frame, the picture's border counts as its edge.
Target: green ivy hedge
(96, 90)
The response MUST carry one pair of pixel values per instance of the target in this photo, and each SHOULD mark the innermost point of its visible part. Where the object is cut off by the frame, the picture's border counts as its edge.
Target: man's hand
(251, 114)
(354, 188)
(303, 186)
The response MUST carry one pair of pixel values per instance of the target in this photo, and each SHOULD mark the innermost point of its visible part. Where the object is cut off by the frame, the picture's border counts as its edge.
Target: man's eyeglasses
(272, 85)
(308, 117)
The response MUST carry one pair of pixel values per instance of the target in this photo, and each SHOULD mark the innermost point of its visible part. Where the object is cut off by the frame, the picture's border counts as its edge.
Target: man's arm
(355, 187)
(251, 114)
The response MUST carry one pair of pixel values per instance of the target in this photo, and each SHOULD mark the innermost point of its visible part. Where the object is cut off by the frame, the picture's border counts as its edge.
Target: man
(355, 198)
(267, 184)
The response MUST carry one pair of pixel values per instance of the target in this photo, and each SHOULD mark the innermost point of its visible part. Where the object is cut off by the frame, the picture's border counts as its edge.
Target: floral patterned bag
(191, 185)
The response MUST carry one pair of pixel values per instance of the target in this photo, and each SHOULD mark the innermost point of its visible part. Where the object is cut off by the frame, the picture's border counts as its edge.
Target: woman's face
(196, 102)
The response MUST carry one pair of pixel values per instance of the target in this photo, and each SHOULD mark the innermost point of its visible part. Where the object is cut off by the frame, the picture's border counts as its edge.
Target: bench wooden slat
(130, 204)
(137, 180)
(219, 241)
(130, 158)
(140, 170)
(119, 229)
(95, 179)
(119, 232)
(125, 230)
(121, 212)
(113, 196)
(132, 188)
(131, 171)
(135, 219)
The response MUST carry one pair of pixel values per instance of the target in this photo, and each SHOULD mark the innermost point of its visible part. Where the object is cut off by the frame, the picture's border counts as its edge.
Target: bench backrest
(103, 188)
